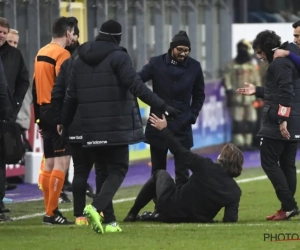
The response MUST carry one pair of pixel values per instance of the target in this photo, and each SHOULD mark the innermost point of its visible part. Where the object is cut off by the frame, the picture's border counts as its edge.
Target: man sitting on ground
(210, 188)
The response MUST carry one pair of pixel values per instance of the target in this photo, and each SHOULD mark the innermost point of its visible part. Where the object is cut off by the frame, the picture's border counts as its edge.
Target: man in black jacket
(18, 83)
(105, 85)
(210, 188)
(83, 162)
(178, 80)
(4, 114)
(280, 131)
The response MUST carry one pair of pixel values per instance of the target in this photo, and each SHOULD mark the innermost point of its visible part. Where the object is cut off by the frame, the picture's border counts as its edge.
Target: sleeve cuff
(164, 131)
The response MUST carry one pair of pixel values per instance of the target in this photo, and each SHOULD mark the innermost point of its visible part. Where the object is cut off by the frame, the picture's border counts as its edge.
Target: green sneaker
(94, 219)
(112, 227)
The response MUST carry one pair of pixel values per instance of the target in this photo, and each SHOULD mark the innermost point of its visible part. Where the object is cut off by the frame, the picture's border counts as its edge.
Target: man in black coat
(4, 114)
(280, 131)
(210, 188)
(104, 86)
(17, 79)
(178, 80)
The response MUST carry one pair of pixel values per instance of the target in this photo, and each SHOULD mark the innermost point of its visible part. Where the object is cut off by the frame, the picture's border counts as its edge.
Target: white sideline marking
(258, 178)
(29, 216)
(207, 225)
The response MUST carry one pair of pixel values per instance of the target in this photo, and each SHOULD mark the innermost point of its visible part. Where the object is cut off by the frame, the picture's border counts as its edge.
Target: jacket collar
(4, 47)
(170, 60)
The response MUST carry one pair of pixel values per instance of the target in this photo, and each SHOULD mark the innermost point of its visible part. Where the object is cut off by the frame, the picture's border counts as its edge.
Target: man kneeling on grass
(210, 188)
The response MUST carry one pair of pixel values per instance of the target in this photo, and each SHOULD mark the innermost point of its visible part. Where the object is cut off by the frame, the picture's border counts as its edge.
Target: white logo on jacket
(96, 142)
(76, 137)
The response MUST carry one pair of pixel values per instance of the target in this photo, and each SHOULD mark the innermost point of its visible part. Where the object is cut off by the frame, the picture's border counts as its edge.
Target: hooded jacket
(74, 134)
(105, 85)
(281, 94)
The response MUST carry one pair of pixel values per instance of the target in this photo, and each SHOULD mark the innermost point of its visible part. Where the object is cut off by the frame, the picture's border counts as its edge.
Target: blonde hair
(13, 31)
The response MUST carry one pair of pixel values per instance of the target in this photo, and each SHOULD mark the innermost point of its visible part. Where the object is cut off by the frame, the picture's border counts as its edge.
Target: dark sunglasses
(180, 50)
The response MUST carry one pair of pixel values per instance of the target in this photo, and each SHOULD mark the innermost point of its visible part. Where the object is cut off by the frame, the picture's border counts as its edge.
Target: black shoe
(149, 216)
(63, 198)
(131, 218)
(57, 212)
(4, 218)
(89, 191)
(9, 186)
(3, 209)
(56, 220)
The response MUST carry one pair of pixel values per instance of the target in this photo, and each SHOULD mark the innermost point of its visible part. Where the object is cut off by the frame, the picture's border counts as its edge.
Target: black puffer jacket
(282, 87)
(74, 133)
(104, 85)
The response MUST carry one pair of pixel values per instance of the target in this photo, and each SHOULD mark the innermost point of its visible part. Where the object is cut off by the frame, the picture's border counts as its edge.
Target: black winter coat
(180, 86)
(17, 77)
(282, 87)
(3, 94)
(105, 85)
(74, 133)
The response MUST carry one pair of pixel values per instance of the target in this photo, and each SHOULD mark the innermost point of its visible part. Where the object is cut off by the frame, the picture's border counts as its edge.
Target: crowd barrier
(211, 128)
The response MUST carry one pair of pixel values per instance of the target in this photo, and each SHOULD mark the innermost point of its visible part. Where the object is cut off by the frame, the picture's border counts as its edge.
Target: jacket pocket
(270, 114)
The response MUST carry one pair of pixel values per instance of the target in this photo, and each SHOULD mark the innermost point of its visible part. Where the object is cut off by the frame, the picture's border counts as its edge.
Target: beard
(71, 48)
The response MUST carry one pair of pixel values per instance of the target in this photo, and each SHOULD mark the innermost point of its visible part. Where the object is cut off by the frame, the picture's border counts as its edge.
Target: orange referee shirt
(46, 68)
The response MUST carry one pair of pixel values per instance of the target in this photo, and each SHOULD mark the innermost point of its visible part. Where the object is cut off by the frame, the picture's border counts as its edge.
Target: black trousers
(161, 187)
(83, 162)
(159, 161)
(114, 162)
(278, 160)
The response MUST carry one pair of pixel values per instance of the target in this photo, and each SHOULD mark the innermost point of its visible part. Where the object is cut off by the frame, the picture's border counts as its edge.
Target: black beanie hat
(180, 39)
(111, 27)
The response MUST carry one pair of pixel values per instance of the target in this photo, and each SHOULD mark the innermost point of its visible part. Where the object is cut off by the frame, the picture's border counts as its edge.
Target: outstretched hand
(249, 89)
(157, 122)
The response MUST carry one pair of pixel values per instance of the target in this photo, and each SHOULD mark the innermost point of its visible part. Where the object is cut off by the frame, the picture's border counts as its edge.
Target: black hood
(290, 47)
(93, 53)
(285, 46)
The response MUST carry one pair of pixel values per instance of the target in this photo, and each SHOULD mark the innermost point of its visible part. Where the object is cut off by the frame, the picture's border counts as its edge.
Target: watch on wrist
(280, 121)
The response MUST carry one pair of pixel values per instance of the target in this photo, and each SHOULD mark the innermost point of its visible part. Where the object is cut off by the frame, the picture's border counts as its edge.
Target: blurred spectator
(13, 38)
(242, 111)
(24, 116)
(265, 11)
(288, 11)
(18, 82)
